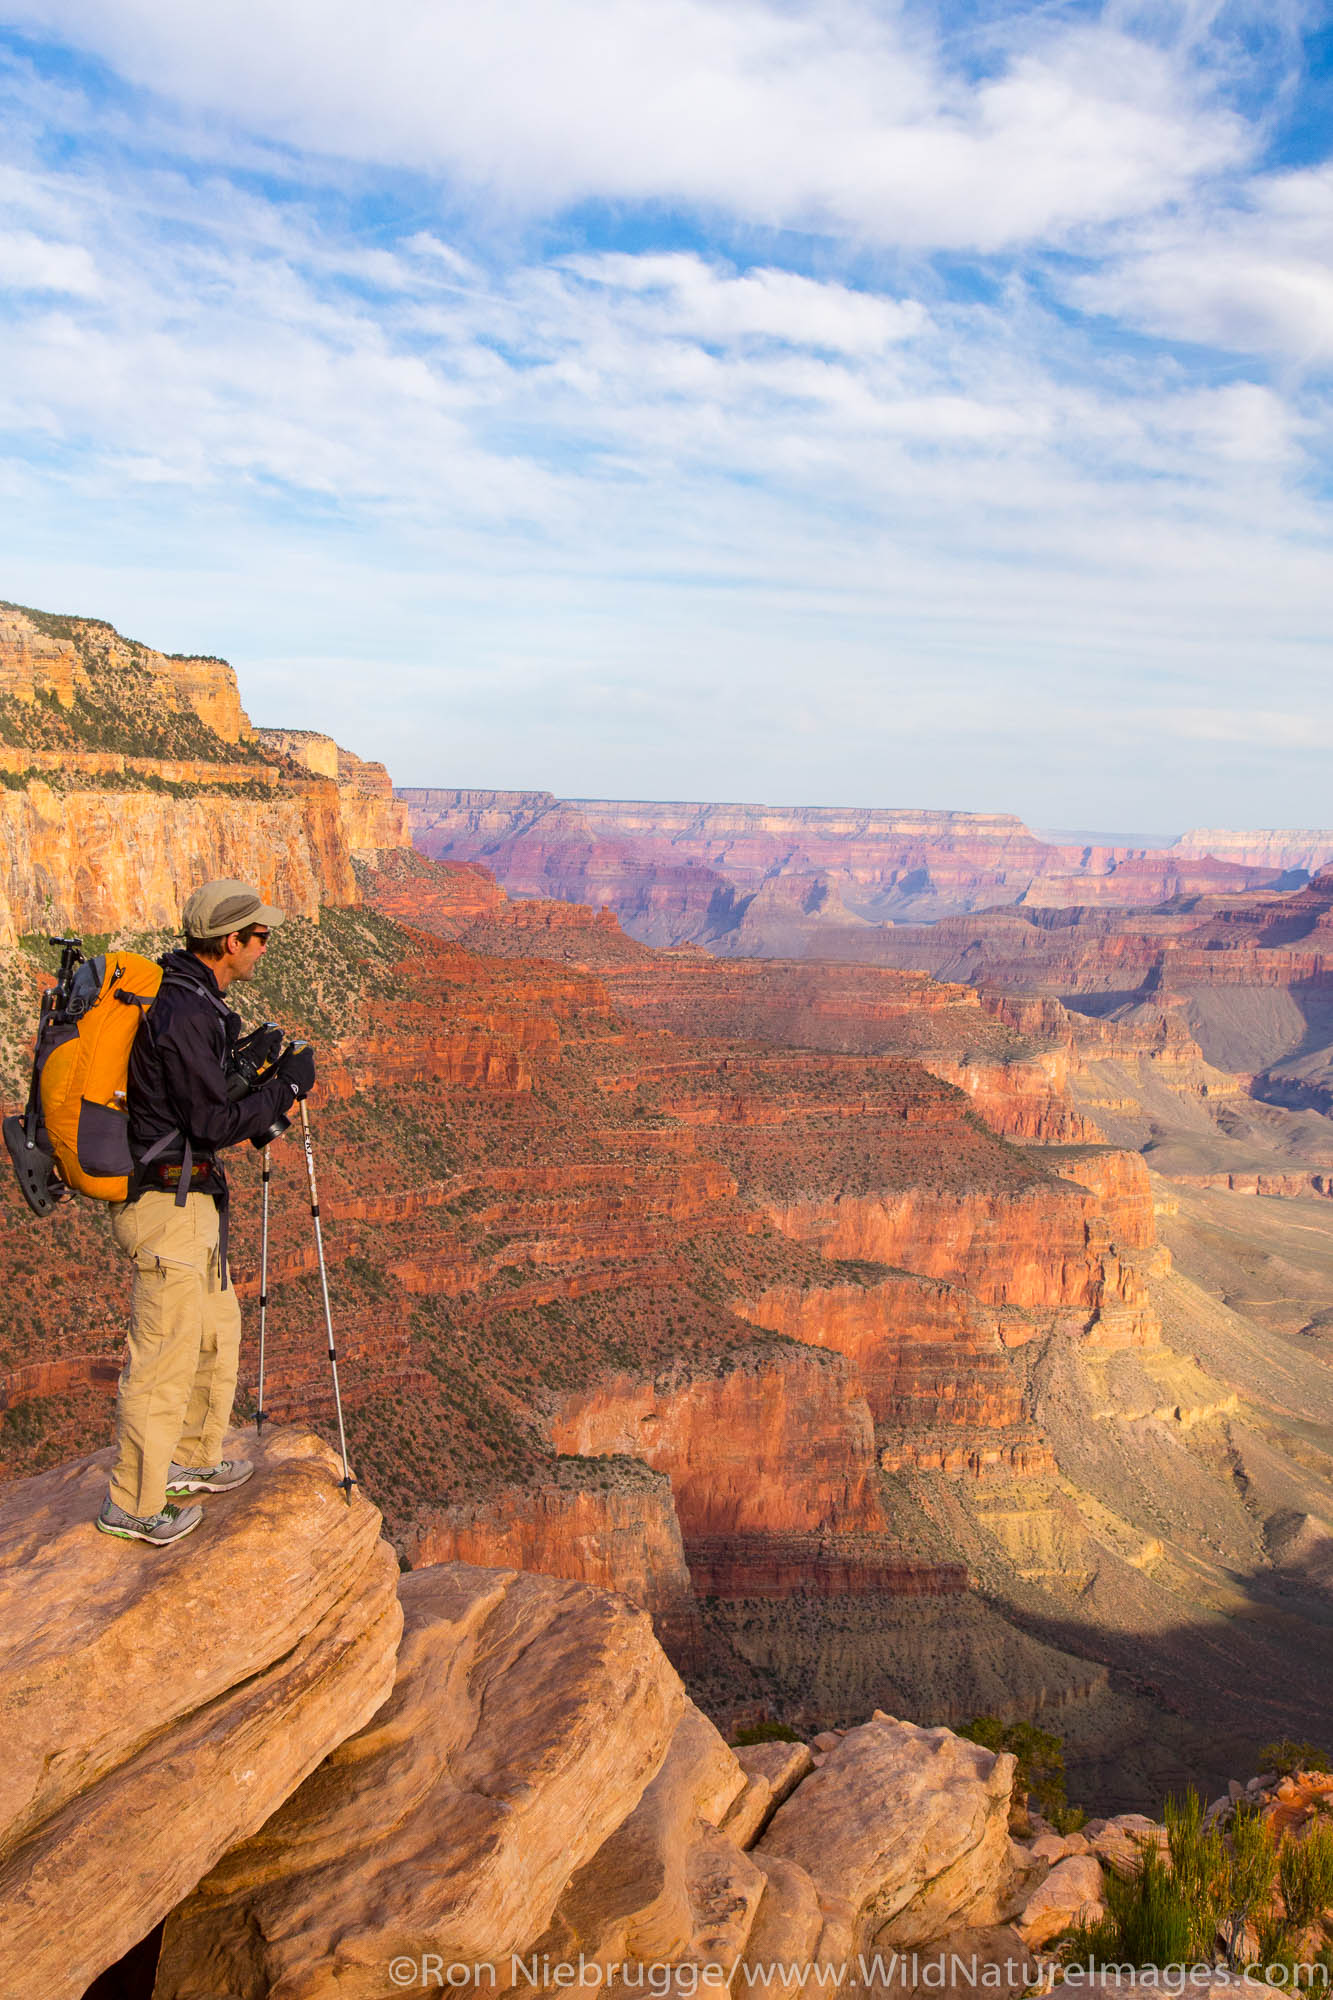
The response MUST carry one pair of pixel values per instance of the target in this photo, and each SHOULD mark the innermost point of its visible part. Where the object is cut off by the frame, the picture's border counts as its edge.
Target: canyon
(762, 879)
(1216, 940)
(1246, 979)
(864, 1326)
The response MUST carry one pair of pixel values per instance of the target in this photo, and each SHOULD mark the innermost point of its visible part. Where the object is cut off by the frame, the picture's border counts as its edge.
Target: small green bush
(1305, 1876)
(1173, 1910)
(1287, 1756)
(765, 1732)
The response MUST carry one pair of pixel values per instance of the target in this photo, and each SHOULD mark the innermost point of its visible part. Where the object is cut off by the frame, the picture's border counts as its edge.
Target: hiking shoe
(158, 1530)
(209, 1478)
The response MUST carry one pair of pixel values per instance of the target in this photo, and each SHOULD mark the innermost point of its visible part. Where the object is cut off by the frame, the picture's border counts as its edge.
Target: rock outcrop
(141, 774)
(525, 1791)
(904, 1833)
(60, 657)
(157, 1707)
(34, 662)
(527, 1718)
(1071, 1894)
(610, 1522)
(373, 820)
(671, 1886)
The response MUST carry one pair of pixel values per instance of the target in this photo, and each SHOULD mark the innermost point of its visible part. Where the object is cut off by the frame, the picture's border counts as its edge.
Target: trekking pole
(266, 1175)
(346, 1482)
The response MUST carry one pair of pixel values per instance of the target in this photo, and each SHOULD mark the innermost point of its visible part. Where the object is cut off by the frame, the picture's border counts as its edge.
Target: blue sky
(853, 403)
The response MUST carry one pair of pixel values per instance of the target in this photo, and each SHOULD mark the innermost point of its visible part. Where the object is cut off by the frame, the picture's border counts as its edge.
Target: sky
(915, 404)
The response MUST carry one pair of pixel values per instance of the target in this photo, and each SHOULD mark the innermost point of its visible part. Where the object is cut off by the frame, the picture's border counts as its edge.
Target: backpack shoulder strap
(178, 980)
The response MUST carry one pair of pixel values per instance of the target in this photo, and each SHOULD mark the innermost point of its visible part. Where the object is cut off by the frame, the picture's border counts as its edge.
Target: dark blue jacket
(178, 1076)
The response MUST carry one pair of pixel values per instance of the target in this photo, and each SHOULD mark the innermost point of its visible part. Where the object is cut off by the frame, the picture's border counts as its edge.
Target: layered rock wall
(1120, 1182)
(782, 1443)
(372, 818)
(777, 880)
(609, 1524)
(104, 861)
(1028, 1247)
(1310, 849)
(927, 1353)
(103, 836)
(33, 663)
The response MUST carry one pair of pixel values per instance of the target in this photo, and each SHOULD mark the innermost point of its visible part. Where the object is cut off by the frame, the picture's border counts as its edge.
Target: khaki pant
(177, 1386)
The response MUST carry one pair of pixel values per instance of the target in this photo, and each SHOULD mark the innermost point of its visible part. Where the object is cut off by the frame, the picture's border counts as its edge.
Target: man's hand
(297, 1068)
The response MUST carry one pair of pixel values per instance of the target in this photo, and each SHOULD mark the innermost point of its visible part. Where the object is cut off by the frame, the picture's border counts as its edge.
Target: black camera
(249, 1061)
(250, 1056)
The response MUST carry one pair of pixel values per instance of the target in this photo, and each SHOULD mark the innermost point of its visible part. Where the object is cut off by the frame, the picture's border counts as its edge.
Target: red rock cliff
(94, 838)
(609, 1523)
(783, 1442)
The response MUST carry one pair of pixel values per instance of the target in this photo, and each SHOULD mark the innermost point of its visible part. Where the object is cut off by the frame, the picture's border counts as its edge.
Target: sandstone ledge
(527, 1718)
(158, 1705)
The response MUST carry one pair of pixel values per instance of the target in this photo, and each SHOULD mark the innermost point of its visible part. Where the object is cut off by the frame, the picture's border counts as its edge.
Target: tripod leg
(346, 1482)
(265, 1177)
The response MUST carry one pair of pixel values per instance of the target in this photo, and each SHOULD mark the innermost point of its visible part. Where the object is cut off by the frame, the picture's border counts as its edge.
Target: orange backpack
(75, 1131)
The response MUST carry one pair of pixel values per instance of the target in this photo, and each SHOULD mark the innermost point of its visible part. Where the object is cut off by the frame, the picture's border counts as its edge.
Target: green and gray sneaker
(158, 1530)
(208, 1478)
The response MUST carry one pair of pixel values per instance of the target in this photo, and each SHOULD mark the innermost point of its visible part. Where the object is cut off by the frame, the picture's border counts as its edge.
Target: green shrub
(1157, 1924)
(1305, 1876)
(1174, 1908)
(1287, 1756)
(765, 1732)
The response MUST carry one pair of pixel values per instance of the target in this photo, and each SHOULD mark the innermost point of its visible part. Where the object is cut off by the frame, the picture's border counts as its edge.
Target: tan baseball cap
(220, 908)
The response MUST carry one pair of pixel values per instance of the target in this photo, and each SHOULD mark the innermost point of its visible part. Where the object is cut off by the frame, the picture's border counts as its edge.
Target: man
(176, 1389)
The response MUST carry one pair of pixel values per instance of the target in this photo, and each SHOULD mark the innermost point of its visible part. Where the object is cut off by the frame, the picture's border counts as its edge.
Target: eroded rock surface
(1071, 1894)
(904, 1832)
(157, 1706)
(667, 1888)
(527, 1718)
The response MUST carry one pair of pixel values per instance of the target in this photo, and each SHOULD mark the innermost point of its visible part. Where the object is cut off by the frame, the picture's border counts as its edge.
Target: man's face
(245, 958)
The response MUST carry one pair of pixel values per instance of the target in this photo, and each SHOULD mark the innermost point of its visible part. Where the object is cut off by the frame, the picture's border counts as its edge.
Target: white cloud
(1252, 274)
(822, 114)
(684, 295)
(30, 263)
